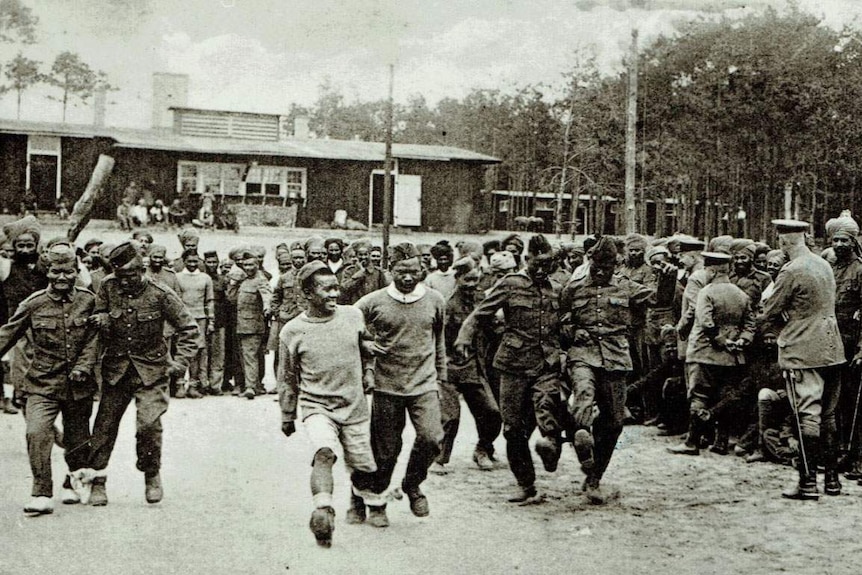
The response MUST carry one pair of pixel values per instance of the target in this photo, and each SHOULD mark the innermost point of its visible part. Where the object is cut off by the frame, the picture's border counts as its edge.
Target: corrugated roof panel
(300, 148)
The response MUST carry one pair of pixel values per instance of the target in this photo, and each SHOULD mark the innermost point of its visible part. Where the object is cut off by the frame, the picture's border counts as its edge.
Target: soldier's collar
(57, 296)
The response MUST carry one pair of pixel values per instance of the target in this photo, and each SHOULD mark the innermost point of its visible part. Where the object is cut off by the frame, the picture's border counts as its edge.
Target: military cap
(403, 251)
(605, 251)
(686, 244)
(490, 246)
(361, 243)
(721, 244)
(123, 254)
(189, 252)
(158, 249)
(235, 253)
(246, 254)
(513, 239)
(211, 254)
(502, 261)
(60, 254)
(715, 258)
(790, 226)
(94, 242)
(539, 245)
(281, 248)
(258, 251)
(105, 251)
(464, 265)
(656, 250)
(589, 242)
(314, 242)
(471, 249)
(310, 269)
(297, 245)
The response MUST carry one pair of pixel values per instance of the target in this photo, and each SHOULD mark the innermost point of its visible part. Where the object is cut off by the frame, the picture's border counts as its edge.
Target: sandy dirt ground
(237, 501)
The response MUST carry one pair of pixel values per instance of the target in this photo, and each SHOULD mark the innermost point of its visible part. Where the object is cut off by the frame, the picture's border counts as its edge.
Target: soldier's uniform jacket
(458, 309)
(287, 300)
(168, 277)
(751, 284)
(686, 301)
(136, 322)
(802, 310)
(358, 281)
(253, 297)
(604, 312)
(723, 313)
(643, 274)
(63, 341)
(531, 338)
(764, 278)
(848, 301)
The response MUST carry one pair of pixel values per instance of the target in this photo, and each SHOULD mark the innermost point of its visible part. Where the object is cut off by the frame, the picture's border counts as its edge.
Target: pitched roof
(298, 148)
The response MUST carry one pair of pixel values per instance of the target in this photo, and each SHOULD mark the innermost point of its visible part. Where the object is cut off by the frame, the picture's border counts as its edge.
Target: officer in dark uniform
(528, 362)
(136, 364)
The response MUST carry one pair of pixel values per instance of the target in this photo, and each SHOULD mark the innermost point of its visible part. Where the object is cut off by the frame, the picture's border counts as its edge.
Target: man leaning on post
(131, 311)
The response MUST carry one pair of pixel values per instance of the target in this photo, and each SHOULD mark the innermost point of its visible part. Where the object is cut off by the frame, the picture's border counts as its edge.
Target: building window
(261, 182)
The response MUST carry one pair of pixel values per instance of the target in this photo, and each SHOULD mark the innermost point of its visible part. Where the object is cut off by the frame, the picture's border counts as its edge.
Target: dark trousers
(40, 414)
(480, 401)
(592, 388)
(250, 349)
(387, 424)
(150, 403)
(525, 403)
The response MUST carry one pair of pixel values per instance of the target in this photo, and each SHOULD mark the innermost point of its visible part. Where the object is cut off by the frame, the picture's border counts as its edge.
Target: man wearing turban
(843, 232)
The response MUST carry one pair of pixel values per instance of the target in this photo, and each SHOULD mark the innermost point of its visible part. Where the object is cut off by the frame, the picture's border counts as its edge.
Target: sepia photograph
(405, 287)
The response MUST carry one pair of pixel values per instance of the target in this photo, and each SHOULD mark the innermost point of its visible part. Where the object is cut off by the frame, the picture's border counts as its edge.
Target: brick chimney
(300, 128)
(169, 90)
(99, 103)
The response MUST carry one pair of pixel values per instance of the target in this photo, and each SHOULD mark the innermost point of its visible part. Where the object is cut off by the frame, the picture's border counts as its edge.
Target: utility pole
(631, 136)
(558, 217)
(387, 170)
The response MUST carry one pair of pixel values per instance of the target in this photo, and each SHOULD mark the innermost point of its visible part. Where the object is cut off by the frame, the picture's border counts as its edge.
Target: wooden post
(631, 137)
(387, 170)
(558, 216)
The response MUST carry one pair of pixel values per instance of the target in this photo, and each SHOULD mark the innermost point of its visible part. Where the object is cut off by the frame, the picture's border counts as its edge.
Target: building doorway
(43, 170)
(43, 180)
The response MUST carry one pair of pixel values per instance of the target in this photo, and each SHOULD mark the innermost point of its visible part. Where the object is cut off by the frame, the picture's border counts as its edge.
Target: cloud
(264, 55)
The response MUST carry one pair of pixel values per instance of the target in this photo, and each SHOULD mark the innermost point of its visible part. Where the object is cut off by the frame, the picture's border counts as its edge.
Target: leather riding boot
(832, 485)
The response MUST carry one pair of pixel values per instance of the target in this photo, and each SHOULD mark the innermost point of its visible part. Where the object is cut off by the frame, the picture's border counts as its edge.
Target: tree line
(74, 78)
(740, 120)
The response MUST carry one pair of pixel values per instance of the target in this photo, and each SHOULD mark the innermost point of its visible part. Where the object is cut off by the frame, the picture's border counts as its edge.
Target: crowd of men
(742, 348)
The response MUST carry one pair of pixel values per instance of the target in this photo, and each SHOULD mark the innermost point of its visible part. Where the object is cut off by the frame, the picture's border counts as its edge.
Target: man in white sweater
(407, 321)
(321, 371)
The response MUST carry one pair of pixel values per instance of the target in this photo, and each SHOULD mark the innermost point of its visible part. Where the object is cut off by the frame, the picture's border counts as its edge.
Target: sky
(264, 55)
